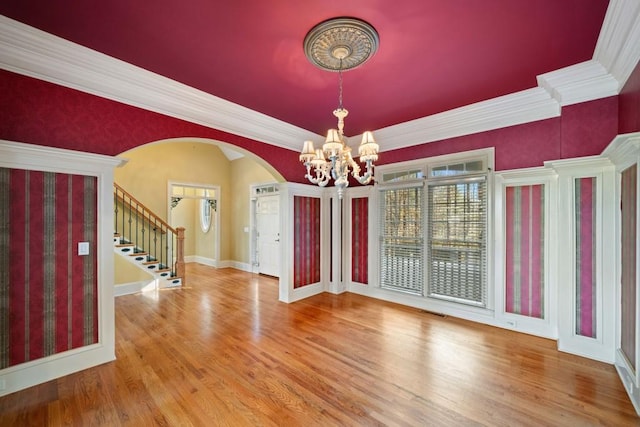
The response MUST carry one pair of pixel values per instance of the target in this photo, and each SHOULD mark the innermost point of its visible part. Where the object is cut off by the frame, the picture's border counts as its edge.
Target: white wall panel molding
(624, 152)
(49, 159)
(602, 345)
(547, 325)
(287, 293)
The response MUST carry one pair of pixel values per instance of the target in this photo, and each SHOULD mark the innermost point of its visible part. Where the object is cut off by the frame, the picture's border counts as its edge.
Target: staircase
(144, 239)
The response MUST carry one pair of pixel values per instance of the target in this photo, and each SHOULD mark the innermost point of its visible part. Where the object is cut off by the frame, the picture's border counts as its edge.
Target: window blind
(401, 239)
(456, 233)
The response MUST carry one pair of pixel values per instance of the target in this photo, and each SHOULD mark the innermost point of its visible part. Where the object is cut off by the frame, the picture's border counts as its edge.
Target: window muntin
(403, 176)
(458, 168)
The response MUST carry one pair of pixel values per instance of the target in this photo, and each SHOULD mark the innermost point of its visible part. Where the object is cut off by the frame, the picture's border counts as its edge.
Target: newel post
(180, 271)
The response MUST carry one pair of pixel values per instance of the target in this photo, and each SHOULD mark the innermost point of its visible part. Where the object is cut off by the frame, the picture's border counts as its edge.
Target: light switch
(83, 248)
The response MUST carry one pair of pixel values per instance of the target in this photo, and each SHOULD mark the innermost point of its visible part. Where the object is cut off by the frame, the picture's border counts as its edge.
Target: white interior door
(268, 235)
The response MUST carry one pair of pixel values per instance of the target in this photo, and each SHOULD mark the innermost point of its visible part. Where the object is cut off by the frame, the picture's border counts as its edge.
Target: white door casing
(268, 235)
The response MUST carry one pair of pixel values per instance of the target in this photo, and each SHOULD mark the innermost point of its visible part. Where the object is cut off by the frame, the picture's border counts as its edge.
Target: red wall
(37, 112)
(629, 104)
(582, 130)
(42, 113)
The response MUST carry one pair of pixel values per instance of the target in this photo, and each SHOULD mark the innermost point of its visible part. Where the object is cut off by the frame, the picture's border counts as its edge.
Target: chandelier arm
(321, 175)
(336, 167)
(368, 175)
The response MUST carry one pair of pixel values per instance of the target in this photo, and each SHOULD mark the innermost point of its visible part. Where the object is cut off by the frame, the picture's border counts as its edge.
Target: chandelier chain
(340, 85)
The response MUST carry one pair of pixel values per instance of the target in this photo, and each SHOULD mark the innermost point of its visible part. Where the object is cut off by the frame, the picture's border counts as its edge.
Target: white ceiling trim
(29, 51)
(618, 47)
(582, 82)
(516, 108)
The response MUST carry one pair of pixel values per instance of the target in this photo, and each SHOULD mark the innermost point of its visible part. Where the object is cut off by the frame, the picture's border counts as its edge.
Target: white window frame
(487, 155)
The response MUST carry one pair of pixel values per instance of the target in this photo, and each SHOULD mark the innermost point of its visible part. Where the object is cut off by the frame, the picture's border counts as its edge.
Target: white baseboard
(202, 260)
(135, 287)
(36, 372)
(628, 380)
(244, 266)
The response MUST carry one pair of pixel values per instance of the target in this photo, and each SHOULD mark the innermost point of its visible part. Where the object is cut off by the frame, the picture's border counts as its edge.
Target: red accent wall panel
(34, 257)
(585, 282)
(49, 294)
(629, 201)
(38, 112)
(525, 250)
(62, 260)
(18, 248)
(588, 127)
(306, 241)
(582, 130)
(360, 240)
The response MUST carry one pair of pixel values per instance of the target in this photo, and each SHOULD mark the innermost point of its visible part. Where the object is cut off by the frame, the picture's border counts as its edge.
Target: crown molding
(581, 82)
(624, 150)
(29, 51)
(35, 53)
(53, 159)
(579, 164)
(516, 108)
(618, 46)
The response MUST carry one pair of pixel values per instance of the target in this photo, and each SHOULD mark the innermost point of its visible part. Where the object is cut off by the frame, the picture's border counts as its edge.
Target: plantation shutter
(401, 238)
(456, 230)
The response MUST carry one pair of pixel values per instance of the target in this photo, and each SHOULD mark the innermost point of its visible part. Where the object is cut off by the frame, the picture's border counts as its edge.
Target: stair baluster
(136, 220)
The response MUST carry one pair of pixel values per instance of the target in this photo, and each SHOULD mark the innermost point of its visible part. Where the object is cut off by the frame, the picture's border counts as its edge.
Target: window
(457, 221)
(433, 238)
(205, 214)
(401, 240)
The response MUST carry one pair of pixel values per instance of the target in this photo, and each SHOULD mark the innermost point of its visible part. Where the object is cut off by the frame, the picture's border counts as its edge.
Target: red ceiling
(434, 55)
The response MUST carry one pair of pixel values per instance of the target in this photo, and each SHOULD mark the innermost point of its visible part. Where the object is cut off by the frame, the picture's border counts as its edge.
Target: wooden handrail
(144, 208)
(124, 197)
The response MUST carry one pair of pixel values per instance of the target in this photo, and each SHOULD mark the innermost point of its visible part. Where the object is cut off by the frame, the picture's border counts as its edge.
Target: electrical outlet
(511, 323)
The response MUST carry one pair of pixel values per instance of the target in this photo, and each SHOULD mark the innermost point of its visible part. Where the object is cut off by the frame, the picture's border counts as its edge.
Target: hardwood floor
(224, 351)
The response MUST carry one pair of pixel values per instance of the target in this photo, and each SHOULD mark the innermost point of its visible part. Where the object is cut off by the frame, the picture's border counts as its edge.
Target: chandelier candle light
(340, 44)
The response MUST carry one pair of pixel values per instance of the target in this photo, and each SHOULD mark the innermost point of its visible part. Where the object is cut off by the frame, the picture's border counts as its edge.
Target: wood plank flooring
(224, 351)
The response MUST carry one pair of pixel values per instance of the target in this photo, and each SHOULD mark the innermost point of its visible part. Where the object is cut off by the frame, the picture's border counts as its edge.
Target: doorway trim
(171, 199)
(256, 191)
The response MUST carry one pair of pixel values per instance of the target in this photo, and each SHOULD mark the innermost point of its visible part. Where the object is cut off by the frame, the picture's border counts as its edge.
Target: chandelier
(340, 44)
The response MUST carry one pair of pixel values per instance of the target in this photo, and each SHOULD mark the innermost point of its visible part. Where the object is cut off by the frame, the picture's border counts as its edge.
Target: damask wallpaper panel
(306, 236)
(48, 294)
(525, 263)
(360, 240)
(585, 244)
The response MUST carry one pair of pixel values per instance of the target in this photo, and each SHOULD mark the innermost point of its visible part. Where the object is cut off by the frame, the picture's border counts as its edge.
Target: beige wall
(184, 215)
(127, 272)
(150, 167)
(205, 243)
(244, 172)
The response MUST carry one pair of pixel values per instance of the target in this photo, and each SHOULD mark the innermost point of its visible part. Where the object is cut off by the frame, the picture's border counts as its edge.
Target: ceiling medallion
(341, 44)
(338, 45)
